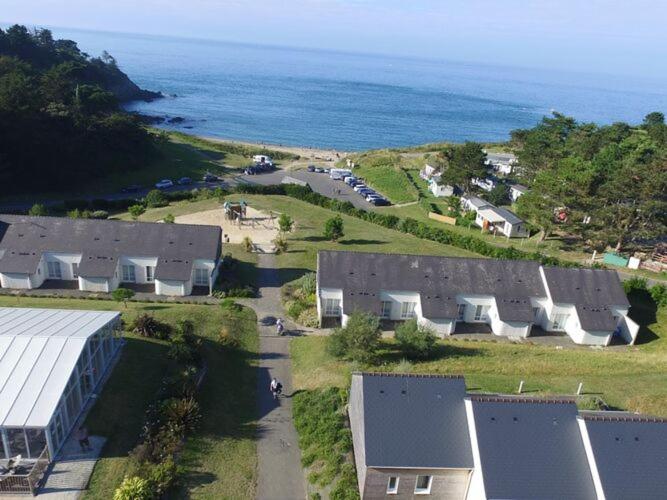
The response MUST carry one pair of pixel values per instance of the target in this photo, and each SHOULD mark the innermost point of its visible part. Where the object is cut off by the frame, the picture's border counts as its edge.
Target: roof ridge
(110, 220)
(509, 398)
(412, 375)
(451, 257)
(597, 417)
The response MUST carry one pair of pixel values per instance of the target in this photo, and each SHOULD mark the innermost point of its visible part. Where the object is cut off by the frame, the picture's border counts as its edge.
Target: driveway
(320, 183)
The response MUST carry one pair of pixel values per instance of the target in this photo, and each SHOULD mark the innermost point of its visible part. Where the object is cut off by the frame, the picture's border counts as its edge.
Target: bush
(147, 326)
(333, 228)
(181, 413)
(659, 294)
(133, 488)
(156, 198)
(308, 317)
(285, 223)
(280, 244)
(228, 339)
(359, 340)
(38, 209)
(307, 283)
(99, 214)
(415, 341)
(161, 477)
(247, 244)
(136, 211)
(169, 219)
(634, 284)
(122, 295)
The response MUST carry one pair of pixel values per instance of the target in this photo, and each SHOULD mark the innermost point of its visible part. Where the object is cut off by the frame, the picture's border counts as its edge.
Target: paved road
(280, 475)
(320, 183)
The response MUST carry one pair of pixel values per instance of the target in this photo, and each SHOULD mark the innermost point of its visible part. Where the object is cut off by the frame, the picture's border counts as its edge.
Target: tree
(499, 195)
(156, 198)
(537, 210)
(358, 340)
(415, 341)
(653, 119)
(333, 228)
(466, 162)
(38, 209)
(136, 211)
(122, 295)
(285, 223)
(169, 219)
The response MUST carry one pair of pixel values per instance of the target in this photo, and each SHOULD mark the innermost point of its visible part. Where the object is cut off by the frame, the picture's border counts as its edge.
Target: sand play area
(261, 227)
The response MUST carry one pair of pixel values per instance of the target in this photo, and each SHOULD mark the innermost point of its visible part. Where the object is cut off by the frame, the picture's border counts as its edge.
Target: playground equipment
(235, 211)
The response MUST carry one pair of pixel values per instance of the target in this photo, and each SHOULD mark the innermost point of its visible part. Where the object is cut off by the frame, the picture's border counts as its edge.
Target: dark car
(184, 180)
(365, 192)
(250, 171)
(311, 168)
(132, 189)
(380, 202)
(318, 170)
(209, 177)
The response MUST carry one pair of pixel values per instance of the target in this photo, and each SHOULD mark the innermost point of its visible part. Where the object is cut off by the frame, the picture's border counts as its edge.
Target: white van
(339, 173)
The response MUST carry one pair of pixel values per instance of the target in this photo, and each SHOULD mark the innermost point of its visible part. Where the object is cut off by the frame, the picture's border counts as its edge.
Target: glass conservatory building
(51, 363)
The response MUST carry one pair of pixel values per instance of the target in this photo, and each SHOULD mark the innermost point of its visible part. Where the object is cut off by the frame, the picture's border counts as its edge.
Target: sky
(617, 37)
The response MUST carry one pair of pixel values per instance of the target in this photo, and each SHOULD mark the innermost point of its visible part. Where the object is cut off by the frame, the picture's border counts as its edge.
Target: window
(536, 313)
(36, 441)
(462, 312)
(332, 307)
(201, 277)
(392, 485)
(479, 311)
(408, 310)
(559, 321)
(128, 273)
(423, 485)
(54, 270)
(149, 273)
(386, 309)
(75, 270)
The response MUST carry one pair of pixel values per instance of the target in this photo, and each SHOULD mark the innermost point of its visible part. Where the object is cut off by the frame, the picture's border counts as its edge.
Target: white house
(495, 219)
(52, 364)
(510, 296)
(517, 191)
(503, 163)
(486, 184)
(473, 203)
(438, 188)
(429, 171)
(101, 255)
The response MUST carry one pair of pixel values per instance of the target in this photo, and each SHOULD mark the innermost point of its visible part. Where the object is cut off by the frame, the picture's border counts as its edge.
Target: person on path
(279, 326)
(275, 387)
(82, 437)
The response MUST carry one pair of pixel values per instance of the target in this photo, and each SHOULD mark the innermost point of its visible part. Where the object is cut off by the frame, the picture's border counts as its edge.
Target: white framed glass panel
(54, 270)
(36, 442)
(462, 312)
(17, 442)
(423, 485)
(129, 273)
(75, 270)
(386, 309)
(408, 310)
(392, 485)
(559, 321)
(479, 311)
(332, 307)
(201, 277)
(149, 273)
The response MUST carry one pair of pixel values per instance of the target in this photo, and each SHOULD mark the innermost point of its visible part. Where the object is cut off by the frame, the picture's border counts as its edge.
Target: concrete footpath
(280, 475)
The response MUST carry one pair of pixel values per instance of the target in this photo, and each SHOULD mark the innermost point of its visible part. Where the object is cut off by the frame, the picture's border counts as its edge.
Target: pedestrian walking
(82, 437)
(276, 388)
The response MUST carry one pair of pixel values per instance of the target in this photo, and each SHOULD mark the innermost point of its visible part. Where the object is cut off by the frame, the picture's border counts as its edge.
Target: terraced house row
(101, 255)
(511, 296)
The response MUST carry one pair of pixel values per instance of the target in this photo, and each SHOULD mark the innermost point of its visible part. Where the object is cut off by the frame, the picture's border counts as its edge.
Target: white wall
(94, 284)
(140, 264)
(441, 189)
(65, 259)
(14, 280)
(442, 327)
(471, 301)
(329, 293)
(396, 297)
(172, 287)
(591, 458)
(508, 328)
(476, 489)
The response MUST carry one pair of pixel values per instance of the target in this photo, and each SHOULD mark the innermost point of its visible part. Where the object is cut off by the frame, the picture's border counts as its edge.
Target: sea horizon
(332, 99)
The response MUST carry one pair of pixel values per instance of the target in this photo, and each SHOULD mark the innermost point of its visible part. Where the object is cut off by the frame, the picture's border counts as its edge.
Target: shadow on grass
(644, 311)
(312, 238)
(361, 242)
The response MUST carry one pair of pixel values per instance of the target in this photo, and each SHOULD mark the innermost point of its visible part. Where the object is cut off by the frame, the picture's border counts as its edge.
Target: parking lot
(320, 183)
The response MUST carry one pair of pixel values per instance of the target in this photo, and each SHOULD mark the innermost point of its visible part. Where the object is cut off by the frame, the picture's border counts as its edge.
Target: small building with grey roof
(510, 296)
(101, 255)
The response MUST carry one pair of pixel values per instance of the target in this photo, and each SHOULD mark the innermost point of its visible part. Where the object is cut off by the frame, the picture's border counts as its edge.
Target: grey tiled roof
(531, 448)
(102, 242)
(630, 456)
(508, 215)
(362, 276)
(592, 291)
(415, 421)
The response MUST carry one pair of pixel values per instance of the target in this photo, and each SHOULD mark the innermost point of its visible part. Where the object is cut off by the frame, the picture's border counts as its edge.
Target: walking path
(280, 475)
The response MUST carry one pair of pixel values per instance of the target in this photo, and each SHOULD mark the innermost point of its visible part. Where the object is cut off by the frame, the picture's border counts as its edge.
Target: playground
(237, 221)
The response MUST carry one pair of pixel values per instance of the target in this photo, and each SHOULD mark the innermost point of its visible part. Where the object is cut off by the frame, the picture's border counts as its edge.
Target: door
(129, 274)
(54, 270)
(75, 270)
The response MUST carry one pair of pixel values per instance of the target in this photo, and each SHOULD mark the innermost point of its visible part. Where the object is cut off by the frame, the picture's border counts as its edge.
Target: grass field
(632, 378)
(219, 460)
(384, 172)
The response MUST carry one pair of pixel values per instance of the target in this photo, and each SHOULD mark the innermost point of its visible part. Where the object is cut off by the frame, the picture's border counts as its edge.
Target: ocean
(355, 101)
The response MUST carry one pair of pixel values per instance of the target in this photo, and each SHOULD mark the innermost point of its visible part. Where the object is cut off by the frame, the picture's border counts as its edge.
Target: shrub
(308, 317)
(183, 413)
(156, 198)
(634, 284)
(307, 283)
(346, 488)
(228, 339)
(122, 295)
(285, 223)
(359, 340)
(133, 488)
(333, 228)
(99, 214)
(415, 341)
(659, 294)
(247, 244)
(280, 244)
(136, 211)
(38, 209)
(295, 308)
(147, 326)
(162, 476)
(169, 219)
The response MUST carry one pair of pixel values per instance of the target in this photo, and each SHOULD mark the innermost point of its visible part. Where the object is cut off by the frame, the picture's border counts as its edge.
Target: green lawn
(219, 460)
(385, 172)
(632, 378)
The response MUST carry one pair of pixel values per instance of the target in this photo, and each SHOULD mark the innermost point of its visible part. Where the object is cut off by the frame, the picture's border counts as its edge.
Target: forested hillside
(611, 181)
(60, 120)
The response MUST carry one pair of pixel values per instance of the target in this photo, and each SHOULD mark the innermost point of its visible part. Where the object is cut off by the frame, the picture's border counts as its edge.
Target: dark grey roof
(630, 455)
(102, 242)
(511, 309)
(415, 421)
(592, 291)
(531, 449)
(362, 276)
(508, 215)
(477, 202)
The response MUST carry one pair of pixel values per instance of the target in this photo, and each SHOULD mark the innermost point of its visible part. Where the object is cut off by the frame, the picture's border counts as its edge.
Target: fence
(26, 484)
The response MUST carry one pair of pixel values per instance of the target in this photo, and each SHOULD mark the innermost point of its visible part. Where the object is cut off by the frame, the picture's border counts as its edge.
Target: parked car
(365, 192)
(209, 177)
(371, 196)
(311, 168)
(349, 179)
(164, 184)
(319, 170)
(133, 188)
(359, 186)
(380, 202)
(326, 171)
(184, 180)
(250, 171)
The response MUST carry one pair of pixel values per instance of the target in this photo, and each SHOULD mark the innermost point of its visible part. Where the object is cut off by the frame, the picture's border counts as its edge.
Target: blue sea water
(356, 101)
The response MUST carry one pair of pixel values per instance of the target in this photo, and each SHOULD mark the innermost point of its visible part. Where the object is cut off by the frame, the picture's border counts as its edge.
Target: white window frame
(408, 310)
(461, 312)
(55, 272)
(331, 307)
(75, 270)
(201, 276)
(479, 312)
(559, 322)
(423, 491)
(150, 274)
(393, 490)
(385, 309)
(129, 274)
(537, 312)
